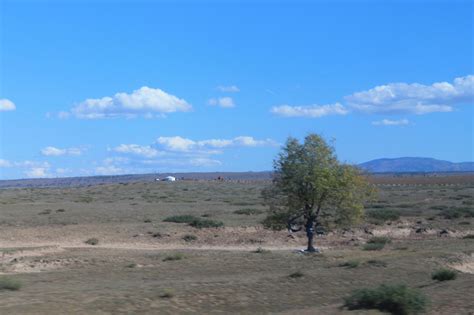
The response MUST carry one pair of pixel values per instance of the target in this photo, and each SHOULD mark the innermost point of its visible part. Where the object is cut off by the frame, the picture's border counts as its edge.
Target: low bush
(457, 212)
(376, 263)
(248, 211)
(468, 237)
(189, 237)
(275, 221)
(10, 284)
(167, 294)
(92, 241)
(350, 264)
(174, 257)
(395, 299)
(373, 246)
(383, 215)
(379, 239)
(296, 274)
(261, 250)
(185, 218)
(444, 274)
(205, 223)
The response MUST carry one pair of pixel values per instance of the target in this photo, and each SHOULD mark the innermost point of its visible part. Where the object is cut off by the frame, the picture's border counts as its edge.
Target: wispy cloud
(53, 151)
(414, 98)
(228, 89)
(388, 122)
(146, 102)
(225, 102)
(6, 105)
(313, 111)
(178, 143)
(135, 149)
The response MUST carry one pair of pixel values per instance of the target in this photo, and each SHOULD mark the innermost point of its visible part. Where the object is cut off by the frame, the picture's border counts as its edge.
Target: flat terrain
(143, 265)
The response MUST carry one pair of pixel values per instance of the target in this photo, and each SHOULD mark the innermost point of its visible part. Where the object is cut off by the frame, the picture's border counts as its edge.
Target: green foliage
(373, 246)
(350, 264)
(174, 257)
(205, 223)
(383, 215)
(379, 239)
(248, 211)
(444, 274)
(92, 241)
(7, 283)
(276, 221)
(468, 237)
(186, 218)
(189, 237)
(310, 181)
(395, 299)
(455, 213)
(296, 274)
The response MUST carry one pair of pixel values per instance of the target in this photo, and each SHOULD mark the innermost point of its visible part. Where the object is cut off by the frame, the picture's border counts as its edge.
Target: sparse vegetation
(92, 241)
(444, 274)
(167, 294)
(189, 237)
(205, 223)
(457, 212)
(379, 239)
(468, 237)
(261, 250)
(177, 256)
(395, 299)
(7, 283)
(248, 211)
(382, 215)
(350, 264)
(373, 246)
(376, 263)
(186, 218)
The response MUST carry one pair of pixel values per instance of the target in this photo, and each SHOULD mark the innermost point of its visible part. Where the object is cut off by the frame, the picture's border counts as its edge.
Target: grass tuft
(296, 274)
(10, 284)
(350, 264)
(205, 223)
(444, 274)
(185, 218)
(248, 211)
(174, 257)
(92, 241)
(189, 237)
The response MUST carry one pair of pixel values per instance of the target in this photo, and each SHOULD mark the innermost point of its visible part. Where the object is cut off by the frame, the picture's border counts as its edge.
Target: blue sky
(116, 87)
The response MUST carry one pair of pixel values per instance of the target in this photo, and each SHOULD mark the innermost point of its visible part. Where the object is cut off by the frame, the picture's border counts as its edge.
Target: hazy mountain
(415, 164)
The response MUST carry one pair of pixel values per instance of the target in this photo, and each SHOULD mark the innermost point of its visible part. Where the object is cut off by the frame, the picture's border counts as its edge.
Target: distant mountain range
(415, 164)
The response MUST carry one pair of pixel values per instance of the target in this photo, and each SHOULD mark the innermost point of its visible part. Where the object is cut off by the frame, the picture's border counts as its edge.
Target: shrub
(383, 215)
(468, 237)
(92, 241)
(376, 263)
(373, 246)
(44, 212)
(131, 265)
(444, 274)
(186, 218)
(248, 211)
(261, 250)
(395, 299)
(189, 237)
(147, 221)
(455, 213)
(350, 264)
(167, 294)
(296, 274)
(464, 223)
(7, 283)
(379, 239)
(205, 223)
(275, 221)
(174, 257)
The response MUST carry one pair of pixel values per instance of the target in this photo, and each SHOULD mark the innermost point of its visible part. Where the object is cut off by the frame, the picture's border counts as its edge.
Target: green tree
(310, 183)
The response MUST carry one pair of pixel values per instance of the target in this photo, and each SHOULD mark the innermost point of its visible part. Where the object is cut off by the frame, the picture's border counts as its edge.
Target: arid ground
(143, 265)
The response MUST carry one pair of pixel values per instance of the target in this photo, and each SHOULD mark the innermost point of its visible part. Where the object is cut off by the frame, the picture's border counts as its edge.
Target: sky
(119, 87)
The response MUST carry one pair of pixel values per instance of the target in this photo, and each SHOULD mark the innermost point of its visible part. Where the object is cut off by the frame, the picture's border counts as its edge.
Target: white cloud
(178, 143)
(6, 105)
(228, 89)
(37, 172)
(53, 151)
(145, 151)
(108, 170)
(144, 101)
(388, 122)
(5, 163)
(225, 102)
(414, 98)
(313, 111)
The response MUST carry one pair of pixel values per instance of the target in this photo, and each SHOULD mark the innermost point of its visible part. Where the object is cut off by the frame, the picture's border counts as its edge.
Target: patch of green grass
(177, 256)
(444, 274)
(379, 239)
(205, 223)
(395, 299)
(185, 218)
(350, 264)
(383, 215)
(189, 237)
(296, 274)
(7, 283)
(92, 241)
(248, 211)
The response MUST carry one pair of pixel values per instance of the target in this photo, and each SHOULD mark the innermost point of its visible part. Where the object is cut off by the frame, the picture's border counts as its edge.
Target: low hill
(415, 164)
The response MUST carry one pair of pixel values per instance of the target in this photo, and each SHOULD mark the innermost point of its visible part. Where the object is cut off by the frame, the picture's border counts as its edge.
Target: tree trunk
(310, 234)
(310, 248)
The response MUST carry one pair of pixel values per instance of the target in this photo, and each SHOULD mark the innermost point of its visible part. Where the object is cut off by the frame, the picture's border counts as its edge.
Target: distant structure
(168, 179)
